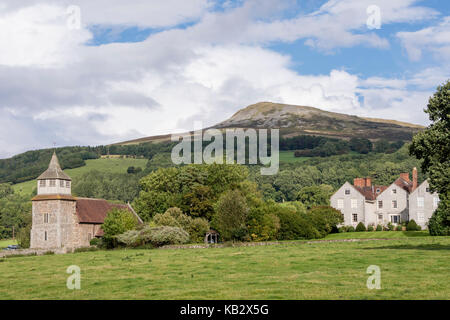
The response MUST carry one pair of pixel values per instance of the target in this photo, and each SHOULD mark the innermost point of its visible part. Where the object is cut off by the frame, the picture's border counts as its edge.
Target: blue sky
(140, 68)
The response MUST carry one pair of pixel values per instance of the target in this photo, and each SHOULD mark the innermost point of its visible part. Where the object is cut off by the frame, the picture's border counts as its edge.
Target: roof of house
(406, 185)
(95, 210)
(370, 193)
(54, 171)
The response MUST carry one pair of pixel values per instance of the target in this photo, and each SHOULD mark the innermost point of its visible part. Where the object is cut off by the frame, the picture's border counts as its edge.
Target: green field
(378, 235)
(411, 268)
(288, 157)
(104, 165)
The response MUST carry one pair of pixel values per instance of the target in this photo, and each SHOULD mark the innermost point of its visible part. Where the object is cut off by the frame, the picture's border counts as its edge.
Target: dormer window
(394, 191)
(42, 183)
(347, 191)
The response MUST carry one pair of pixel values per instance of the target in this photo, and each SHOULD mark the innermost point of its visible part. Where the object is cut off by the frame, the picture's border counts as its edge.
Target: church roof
(95, 210)
(54, 171)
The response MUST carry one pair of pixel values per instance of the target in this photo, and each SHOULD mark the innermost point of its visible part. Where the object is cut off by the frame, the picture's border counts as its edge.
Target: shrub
(360, 227)
(324, 219)
(95, 242)
(295, 226)
(370, 228)
(350, 229)
(156, 236)
(23, 237)
(379, 228)
(197, 229)
(399, 228)
(412, 226)
(390, 227)
(342, 229)
(117, 222)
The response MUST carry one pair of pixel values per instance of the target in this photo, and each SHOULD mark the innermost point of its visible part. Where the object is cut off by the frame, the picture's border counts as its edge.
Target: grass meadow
(104, 165)
(415, 267)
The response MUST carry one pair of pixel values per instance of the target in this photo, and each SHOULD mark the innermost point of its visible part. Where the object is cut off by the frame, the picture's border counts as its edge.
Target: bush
(95, 242)
(342, 229)
(370, 228)
(295, 226)
(324, 219)
(23, 237)
(360, 227)
(412, 226)
(156, 236)
(379, 228)
(117, 222)
(399, 228)
(350, 229)
(390, 227)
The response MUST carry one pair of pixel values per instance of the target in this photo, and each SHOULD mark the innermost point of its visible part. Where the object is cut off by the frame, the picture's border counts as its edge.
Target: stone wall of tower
(60, 227)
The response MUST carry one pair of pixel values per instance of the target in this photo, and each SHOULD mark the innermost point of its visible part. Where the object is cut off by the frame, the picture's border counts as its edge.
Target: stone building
(403, 200)
(60, 220)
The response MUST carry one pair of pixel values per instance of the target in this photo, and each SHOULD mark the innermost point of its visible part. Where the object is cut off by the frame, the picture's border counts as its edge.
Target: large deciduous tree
(433, 147)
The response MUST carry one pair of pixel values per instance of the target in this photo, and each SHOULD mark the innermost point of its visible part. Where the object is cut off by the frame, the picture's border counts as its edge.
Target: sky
(84, 72)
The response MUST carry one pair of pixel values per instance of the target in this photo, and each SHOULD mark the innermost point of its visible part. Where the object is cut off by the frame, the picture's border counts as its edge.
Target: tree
(117, 221)
(433, 147)
(315, 195)
(231, 215)
(325, 219)
(360, 145)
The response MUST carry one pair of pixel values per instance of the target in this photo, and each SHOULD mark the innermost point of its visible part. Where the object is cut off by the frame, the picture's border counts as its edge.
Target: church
(62, 221)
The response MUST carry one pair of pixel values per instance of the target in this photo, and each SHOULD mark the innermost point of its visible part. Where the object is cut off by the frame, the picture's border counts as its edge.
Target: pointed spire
(54, 170)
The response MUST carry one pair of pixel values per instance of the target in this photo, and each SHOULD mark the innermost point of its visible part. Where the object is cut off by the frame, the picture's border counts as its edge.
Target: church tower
(53, 209)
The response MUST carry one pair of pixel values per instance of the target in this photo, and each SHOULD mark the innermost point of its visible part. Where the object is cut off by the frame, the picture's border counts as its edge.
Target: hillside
(102, 165)
(293, 120)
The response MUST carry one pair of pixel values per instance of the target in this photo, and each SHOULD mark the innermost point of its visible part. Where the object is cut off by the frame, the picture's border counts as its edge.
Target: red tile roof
(95, 210)
(406, 185)
(370, 193)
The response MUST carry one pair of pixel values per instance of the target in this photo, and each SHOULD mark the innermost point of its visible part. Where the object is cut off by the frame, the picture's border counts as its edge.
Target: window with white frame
(380, 217)
(41, 183)
(420, 202)
(436, 202)
(347, 191)
(355, 217)
(52, 183)
(67, 184)
(340, 203)
(394, 204)
(61, 183)
(380, 204)
(354, 203)
(394, 191)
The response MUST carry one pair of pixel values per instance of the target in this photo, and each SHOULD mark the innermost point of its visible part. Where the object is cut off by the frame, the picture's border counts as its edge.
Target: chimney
(368, 182)
(405, 176)
(358, 182)
(414, 176)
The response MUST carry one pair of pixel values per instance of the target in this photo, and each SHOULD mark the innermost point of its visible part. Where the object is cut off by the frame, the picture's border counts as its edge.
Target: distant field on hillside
(104, 165)
(288, 157)
(411, 268)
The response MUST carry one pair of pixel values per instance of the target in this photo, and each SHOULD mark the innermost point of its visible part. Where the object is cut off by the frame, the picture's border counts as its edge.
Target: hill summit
(295, 120)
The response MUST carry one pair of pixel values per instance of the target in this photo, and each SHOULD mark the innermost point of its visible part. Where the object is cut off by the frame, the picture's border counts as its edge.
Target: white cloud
(435, 39)
(55, 88)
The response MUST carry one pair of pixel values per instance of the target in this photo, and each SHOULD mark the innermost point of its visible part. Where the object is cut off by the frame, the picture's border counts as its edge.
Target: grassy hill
(293, 120)
(116, 165)
(411, 268)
